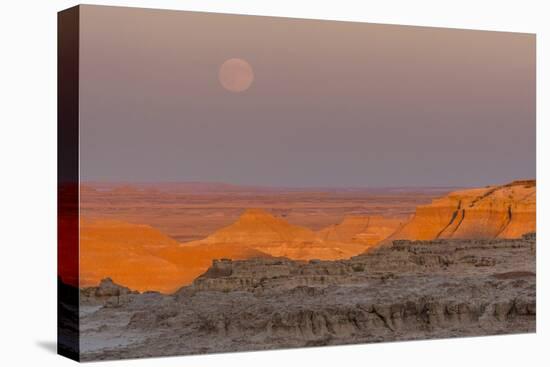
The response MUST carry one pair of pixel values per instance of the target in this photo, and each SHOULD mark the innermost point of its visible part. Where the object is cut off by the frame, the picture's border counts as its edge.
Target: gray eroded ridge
(407, 290)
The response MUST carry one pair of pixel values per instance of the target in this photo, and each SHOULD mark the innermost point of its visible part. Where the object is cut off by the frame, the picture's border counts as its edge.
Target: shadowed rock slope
(409, 290)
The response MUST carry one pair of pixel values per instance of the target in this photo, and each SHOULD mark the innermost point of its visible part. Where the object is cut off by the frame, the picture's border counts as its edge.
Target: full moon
(236, 75)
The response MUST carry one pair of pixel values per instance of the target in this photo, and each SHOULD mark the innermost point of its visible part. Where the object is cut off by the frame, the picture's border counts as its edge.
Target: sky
(332, 104)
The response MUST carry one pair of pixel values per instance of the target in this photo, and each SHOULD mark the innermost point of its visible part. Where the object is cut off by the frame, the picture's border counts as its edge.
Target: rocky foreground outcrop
(107, 293)
(408, 290)
(505, 211)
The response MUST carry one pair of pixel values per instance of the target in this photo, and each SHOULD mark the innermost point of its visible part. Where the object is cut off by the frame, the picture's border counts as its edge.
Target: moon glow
(236, 75)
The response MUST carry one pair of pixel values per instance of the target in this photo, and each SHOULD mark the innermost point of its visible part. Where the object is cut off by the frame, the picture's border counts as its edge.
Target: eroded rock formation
(260, 230)
(506, 211)
(107, 293)
(143, 258)
(409, 290)
(368, 230)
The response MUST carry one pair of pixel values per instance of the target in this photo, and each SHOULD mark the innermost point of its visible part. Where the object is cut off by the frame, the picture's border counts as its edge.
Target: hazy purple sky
(332, 103)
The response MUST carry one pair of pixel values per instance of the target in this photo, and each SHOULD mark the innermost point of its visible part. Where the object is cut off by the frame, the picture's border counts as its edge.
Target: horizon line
(289, 187)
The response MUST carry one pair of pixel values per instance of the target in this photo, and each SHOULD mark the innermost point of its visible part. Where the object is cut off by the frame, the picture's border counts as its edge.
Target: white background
(28, 179)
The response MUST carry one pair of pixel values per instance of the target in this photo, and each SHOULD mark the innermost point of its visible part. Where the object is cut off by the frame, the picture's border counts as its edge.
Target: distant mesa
(260, 230)
(123, 188)
(368, 230)
(505, 211)
(143, 258)
(258, 225)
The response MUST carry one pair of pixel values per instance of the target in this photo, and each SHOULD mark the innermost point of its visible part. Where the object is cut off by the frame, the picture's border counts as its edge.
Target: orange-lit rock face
(125, 252)
(262, 231)
(506, 211)
(142, 258)
(368, 230)
(258, 226)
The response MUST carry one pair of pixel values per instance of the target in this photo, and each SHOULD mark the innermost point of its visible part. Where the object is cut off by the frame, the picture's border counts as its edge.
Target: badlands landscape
(176, 230)
(275, 269)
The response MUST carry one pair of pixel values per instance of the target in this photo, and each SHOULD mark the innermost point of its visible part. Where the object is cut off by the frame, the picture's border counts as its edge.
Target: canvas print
(234, 183)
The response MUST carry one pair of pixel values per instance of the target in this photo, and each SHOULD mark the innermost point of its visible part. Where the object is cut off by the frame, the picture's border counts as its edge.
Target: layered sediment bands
(506, 211)
(260, 230)
(125, 252)
(257, 225)
(409, 290)
(107, 293)
(403, 257)
(368, 230)
(142, 258)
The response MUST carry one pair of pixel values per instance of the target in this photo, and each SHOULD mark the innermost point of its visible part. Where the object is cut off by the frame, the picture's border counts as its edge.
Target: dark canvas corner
(68, 340)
